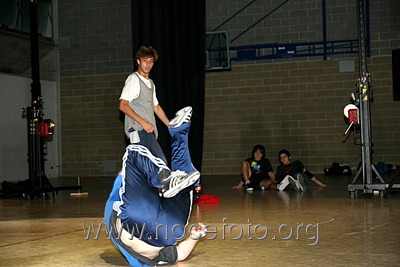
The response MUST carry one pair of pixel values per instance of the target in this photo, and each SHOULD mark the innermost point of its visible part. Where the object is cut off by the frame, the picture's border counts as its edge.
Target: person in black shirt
(257, 172)
(293, 174)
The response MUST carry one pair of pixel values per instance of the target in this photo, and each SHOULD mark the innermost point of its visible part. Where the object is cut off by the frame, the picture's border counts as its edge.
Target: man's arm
(161, 114)
(272, 176)
(269, 170)
(313, 178)
(125, 108)
(186, 246)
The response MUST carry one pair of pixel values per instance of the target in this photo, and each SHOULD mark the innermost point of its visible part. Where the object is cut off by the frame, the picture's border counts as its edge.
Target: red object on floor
(207, 199)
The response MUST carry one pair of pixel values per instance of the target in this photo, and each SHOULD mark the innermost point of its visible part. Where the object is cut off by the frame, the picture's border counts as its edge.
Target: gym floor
(320, 227)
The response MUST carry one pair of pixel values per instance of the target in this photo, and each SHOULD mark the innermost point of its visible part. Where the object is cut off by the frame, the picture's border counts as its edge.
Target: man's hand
(125, 108)
(198, 232)
(187, 245)
(148, 127)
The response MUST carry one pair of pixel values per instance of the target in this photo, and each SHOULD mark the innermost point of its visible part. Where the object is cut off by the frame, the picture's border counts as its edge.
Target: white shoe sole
(285, 182)
(191, 179)
(181, 117)
(302, 185)
(294, 184)
(282, 187)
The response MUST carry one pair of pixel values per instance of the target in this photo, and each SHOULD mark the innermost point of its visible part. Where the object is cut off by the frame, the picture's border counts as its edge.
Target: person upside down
(149, 205)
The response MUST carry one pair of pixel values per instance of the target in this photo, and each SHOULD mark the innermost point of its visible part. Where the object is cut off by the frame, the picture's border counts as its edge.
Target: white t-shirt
(131, 88)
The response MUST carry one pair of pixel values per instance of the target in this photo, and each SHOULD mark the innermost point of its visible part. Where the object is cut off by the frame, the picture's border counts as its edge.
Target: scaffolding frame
(371, 179)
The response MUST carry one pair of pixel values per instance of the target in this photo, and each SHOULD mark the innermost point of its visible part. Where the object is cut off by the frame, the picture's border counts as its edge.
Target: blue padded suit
(135, 199)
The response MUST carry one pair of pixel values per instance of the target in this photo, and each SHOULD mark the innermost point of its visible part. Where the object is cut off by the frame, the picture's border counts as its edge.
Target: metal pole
(35, 111)
(367, 168)
(324, 33)
(35, 85)
(364, 92)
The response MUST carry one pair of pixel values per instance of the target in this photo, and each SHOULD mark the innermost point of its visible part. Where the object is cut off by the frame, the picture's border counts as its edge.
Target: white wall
(15, 94)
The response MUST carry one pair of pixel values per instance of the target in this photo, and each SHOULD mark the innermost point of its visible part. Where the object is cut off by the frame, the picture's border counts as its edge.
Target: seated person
(149, 206)
(257, 171)
(293, 174)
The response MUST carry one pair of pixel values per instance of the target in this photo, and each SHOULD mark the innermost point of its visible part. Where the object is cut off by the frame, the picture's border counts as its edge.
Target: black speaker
(396, 74)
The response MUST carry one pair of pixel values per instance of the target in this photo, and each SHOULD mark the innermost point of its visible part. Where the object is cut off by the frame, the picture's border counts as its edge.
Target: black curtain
(176, 29)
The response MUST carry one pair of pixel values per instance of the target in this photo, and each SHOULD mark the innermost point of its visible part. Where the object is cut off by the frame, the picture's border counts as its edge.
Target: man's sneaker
(295, 184)
(282, 185)
(181, 117)
(302, 184)
(248, 186)
(177, 181)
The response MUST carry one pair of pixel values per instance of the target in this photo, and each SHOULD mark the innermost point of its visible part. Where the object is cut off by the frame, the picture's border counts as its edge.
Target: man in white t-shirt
(138, 101)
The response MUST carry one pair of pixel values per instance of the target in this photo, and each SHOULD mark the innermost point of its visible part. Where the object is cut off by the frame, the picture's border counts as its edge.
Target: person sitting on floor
(149, 206)
(257, 172)
(293, 174)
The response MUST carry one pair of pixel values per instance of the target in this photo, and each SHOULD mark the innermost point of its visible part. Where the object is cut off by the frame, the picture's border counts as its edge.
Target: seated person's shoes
(248, 186)
(302, 184)
(295, 184)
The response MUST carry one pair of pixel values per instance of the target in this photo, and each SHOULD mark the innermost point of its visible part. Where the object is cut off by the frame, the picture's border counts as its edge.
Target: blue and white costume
(135, 197)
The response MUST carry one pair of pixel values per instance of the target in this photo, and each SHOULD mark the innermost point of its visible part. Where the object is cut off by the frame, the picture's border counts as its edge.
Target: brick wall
(293, 21)
(297, 103)
(266, 22)
(92, 131)
(92, 73)
(292, 103)
(99, 35)
(297, 106)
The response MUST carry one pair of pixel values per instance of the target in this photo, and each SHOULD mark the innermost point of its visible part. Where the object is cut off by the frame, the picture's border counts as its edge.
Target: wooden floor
(320, 227)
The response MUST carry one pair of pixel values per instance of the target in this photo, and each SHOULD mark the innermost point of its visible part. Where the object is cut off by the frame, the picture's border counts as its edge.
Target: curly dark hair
(145, 51)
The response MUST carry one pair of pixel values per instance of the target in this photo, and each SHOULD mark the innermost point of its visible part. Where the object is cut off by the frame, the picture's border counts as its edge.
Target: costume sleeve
(131, 89)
